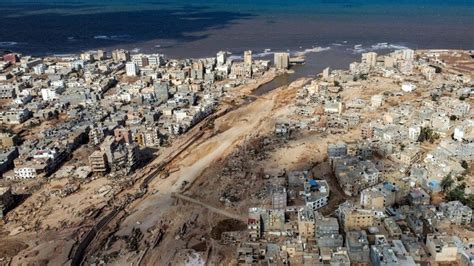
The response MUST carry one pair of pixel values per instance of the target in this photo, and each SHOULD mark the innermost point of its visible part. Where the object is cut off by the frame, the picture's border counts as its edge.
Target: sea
(329, 32)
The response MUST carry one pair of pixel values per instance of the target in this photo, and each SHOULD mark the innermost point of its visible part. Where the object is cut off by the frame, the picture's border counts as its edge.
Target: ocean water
(184, 28)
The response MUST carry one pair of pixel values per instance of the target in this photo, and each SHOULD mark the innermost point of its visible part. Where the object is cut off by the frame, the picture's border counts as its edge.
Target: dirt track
(209, 207)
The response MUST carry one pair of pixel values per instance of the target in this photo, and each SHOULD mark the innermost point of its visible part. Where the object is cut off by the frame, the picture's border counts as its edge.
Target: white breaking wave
(263, 54)
(268, 52)
(112, 37)
(358, 48)
(384, 45)
(236, 57)
(101, 37)
(312, 50)
(8, 44)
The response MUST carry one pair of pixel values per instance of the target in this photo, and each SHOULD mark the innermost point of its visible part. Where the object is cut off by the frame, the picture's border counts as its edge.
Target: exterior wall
(25, 172)
(321, 202)
(356, 220)
(441, 254)
(306, 229)
(370, 200)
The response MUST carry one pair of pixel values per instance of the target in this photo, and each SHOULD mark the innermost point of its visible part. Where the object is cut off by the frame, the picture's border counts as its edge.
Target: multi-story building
(327, 232)
(340, 258)
(354, 218)
(392, 227)
(248, 57)
(282, 60)
(8, 140)
(380, 196)
(29, 170)
(369, 58)
(140, 60)
(316, 193)
(441, 247)
(131, 69)
(6, 200)
(372, 198)
(306, 223)
(98, 162)
(337, 150)
(7, 92)
(456, 212)
(358, 247)
(121, 55)
(377, 101)
(240, 70)
(279, 198)
(7, 156)
(355, 175)
(384, 253)
(123, 133)
(11, 57)
(96, 135)
(120, 155)
(410, 154)
(254, 224)
(15, 116)
(49, 94)
(367, 131)
(221, 58)
(418, 196)
(151, 137)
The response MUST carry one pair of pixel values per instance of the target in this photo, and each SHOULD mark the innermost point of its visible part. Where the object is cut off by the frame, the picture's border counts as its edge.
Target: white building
(48, 94)
(456, 212)
(248, 57)
(408, 87)
(131, 69)
(408, 54)
(316, 193)
(465, 131)
(441, 247)
(414, 132)
(333, 107)
(282, 60)
(337, 150)
(155, 59)
(369, 58)
(221, 58)
(25, 172)
(376, 101)
(39, 69)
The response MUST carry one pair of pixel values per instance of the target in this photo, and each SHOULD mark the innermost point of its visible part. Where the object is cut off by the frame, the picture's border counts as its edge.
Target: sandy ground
(199, 166)
(47, 213)
(231, 129)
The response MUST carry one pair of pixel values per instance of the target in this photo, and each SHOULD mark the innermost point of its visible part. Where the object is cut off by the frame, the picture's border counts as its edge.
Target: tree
(457, 193)
(427, 134)
(470, 201)
(453, 118)
(446, 183)
(464, 164)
